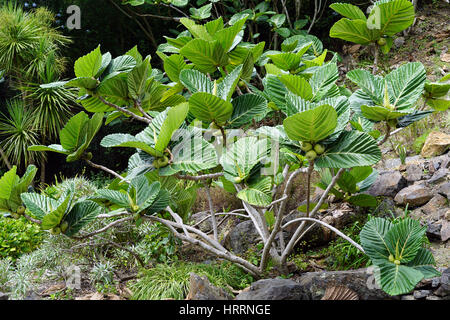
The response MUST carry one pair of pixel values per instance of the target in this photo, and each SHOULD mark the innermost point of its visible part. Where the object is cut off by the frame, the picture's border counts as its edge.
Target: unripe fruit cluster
(161, 162)
(19, 212)
(312, 151)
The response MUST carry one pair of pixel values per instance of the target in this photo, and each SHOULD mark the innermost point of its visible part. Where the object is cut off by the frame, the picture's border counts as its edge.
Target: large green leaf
(198, 31)
(363, 200)
(379, 113)
(225, 89)
(7, 182)
(195, 81)
(393, 16)
(406, 84)
(258, 194)
(88, 65)
(245, 108)
(348, 10)
(226, 37)
(146, 193)
(174, 119)
(137, 79)
(323, 80)
(81, 214)
(352, 149)
(38, 204)
(192, 155)
(397, 279)
(206, 55)
(240, 157)
(72, 135)
(116, 197)
(127, 140)
(436, 89)
(173, 66)
(54, 217)
(311, 125)
(53, 148)
(405, 239)
(372, 239)
(424, 262)
(354, 31)
(297, 85)
(371, 85)
(210, 108)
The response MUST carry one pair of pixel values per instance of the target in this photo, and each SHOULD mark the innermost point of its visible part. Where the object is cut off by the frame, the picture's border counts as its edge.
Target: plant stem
(125, 111)
(97, 166)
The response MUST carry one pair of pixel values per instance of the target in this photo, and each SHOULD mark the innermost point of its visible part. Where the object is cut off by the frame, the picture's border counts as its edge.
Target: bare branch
(201, 177)
(125, 111)
(97, 166)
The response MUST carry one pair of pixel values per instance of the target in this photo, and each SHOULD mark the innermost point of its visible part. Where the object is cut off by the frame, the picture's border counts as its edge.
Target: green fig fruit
(238, 180)
(397, 262)
(88, 156)
(391, 258)
(156, 164)
(55, 231)
(64, 226)
(311, 155)
(306, 146)
(357, 188)
(21, 210)
(381, 42)
(319, 149)
(162, 162)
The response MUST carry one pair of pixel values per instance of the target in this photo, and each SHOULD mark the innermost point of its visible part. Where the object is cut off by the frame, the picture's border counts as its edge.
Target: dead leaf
(445, 57)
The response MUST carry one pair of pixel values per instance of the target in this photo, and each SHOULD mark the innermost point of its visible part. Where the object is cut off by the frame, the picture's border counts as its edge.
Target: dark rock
(388, 184)
(415, 195)
(444, 190)
(4, 296)
(439, 176)
(420, 294)
(413, 172)
(273, 289)
(202, 289)
(444, 289)
(445, 230)
(434, 231)
(204, 226)
(433, 206)
(361, 281)
(242, 237)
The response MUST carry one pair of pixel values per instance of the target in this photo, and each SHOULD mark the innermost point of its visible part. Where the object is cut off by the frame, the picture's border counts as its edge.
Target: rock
(413, 172)
(433, 298)
(408, 297)
(202, 289)
(439, 176)
(3, 296)
(398, 42)
(444, 190)
(361, 281)
(434, 205)
(242, 237)
(273, 289)
(434, 230)
(420, 294)
(436, 144)
(444, 289)
(445, 230)
(204, 226)
(415, 195)
(388, 183)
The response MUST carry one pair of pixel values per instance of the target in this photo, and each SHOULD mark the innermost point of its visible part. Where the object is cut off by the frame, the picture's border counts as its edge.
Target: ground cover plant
(205, 124)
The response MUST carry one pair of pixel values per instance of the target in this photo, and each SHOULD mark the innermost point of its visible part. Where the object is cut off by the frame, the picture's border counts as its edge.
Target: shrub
(172, 281)
(18, 237)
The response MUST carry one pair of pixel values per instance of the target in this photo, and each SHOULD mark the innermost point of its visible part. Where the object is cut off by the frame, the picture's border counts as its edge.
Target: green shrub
(172, 281)
(18, 237)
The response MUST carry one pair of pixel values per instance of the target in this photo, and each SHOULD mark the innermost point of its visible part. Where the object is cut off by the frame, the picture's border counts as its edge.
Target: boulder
(3, 296)
(415, 195)
(445, 230)
(444, 288)
(436, 144)
(442, 175)
(274, 289)
(201, 289)
(242, 237)
(414, 172)
(444, 189)
(204, 226)
(434, 206)
(388, 183)
(361, 281)
(421, 294)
